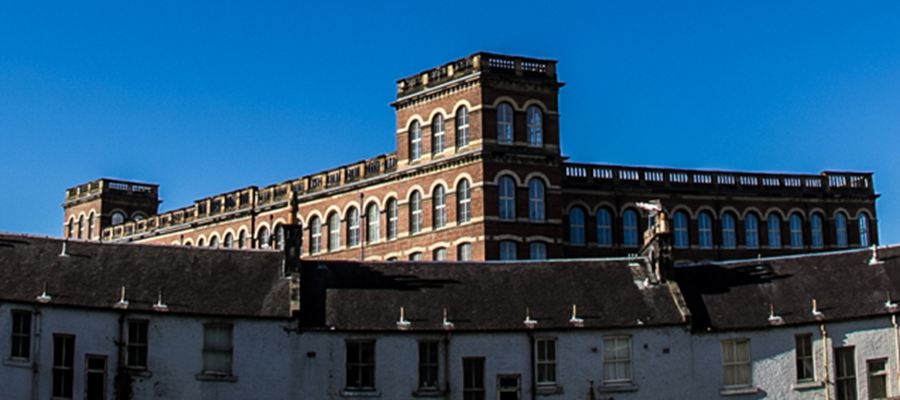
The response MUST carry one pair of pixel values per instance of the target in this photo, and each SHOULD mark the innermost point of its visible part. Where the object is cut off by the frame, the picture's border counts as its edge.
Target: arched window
(392, 215)
(81, 227)
(438, 207)
(242, 239)
(751, 231)
(576, 226)
(117, 218)
(352, 226)
(417, 256)
(840, 229)
(630, 228)
(535, 127)
(315, 235)
(415, 212)
(229, 241)
(415, 141)
(816, 236)
(437, 134)
(373, 225)
(262, 238)
(70, 228)
(464, 252)
(680, 227)
(439, 254)
(90, 232)
(214, 241)
(462, 127)
(279, 237)
(604, 227)
(795, 222)
(504, 123)
(863, 222)
(508, 250)
(536, 200)
(704, 230)
(773, 226)
(463, 202)
(537, 251)
(729, 235)
(507, 198)
(201, 242)
(334, 231)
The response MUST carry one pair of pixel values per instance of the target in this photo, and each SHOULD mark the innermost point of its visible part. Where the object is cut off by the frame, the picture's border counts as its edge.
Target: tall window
(315, 235)
(334, 231)
(70, 228)
(437, 134)
(704, 230)
(63, 363)
(242, 239)
(373, 225)
(795, 222)
(464, 252)
(136, 356)
(439, 207)
(803, 354)
(817, 238)
(279, 237)
(262, 237)
(840, 229)
(118, 218)
(576, 226)
(536, 200)
(463, 202)
(877, 370)
(751, 231)
(214, 241)
(95, 377)
(392, 218)
(845, 373)
(535, 127)
(507, 198)
(473, 378)
(90, 232)
(616, 360)
(729, 236)
(229, 241)
(360, 365)
(462, 127)
(507, 250)
(415, 212)
(863, 229)
(736, 362)
(429, 364)
(537, 251)
(415, 141)
(773, 226)
(352, 227)
(81, 227)
(604, 227)
(439, 254)
(630, 228)
(21, 335)
(504, 123)
(680, 225)
(217, 349)
(545, 361)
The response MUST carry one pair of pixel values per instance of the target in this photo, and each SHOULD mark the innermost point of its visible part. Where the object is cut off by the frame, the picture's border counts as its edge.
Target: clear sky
(203, 97)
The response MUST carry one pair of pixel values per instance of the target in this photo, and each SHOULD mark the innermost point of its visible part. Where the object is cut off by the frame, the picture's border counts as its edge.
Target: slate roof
(192, 280)
(492, 296)
(738, 295)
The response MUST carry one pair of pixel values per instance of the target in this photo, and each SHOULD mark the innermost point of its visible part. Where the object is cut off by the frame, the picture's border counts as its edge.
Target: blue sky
(210, 96)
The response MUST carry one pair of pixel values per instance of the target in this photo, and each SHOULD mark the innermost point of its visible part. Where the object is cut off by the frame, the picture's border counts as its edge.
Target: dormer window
(504, 124)
(535, 127)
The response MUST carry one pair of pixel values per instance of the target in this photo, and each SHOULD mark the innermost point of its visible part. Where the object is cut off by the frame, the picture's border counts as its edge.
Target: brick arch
(506, 99)
(461, 103)
(509, 172)
(535, 102)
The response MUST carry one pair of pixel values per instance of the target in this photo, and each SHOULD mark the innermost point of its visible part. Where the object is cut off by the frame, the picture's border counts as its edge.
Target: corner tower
(90, 207)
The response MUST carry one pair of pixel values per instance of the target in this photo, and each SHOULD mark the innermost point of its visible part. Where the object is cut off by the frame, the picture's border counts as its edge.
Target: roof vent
(160, 306)
(529, 323)
(402, 323)
(890, 304)
(44, 298)
(64, 252)
(122, 303)
(575, 321)
(447, 325)
(815, 311)
(774, 319)
(873, 259)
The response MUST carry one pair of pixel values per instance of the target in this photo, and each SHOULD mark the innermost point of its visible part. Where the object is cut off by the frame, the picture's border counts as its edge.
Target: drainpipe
(896, 347)
(824, 335)
(362, 228)
(36, 353)
(533, 371)
(446, 363)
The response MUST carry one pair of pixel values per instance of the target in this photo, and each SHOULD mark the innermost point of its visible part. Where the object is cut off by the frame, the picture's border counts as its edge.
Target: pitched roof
(192, 280)
(739, 294)
(492, 296)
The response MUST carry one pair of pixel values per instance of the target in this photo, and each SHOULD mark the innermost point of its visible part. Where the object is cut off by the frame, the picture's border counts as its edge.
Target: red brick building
(478, 174)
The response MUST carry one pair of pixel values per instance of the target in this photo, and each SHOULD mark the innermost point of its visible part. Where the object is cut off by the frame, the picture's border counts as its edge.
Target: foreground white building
(102, 321)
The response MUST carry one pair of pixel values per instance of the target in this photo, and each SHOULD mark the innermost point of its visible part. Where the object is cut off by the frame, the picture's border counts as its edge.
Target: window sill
(204, 376)
(17, 363)
(428, 393)
(738, 391)
(360, 393)
(618, 387)
(547, 390)
(799, 386)
(138, 371)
